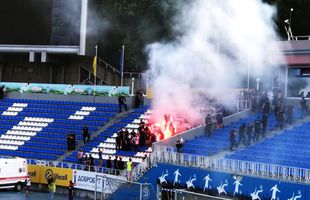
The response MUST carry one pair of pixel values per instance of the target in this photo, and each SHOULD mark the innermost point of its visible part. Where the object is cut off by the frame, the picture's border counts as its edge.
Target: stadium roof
(53, 49)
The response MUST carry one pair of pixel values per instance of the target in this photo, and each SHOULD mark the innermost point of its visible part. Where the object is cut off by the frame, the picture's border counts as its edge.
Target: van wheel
(18, 187)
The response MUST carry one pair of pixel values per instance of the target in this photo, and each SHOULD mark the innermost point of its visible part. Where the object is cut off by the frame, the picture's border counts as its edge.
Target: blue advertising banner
(65, 89)
(224, 184)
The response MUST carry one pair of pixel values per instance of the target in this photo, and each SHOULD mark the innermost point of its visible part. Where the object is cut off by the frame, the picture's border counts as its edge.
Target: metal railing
(301, 37)
(112, 189)
(107, 65)
(74, 166)
(264, 170)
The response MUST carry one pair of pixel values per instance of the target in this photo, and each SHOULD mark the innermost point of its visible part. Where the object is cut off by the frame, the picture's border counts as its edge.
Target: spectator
(135, 142)
(290, 111)
(100, 157)
(264, 123)
(71, 190)
(276, 109)
(26, 187)
(142, 123)
(121, 164)
(138, 99)
(257, 128)
(51, 188)
(73, 141)
(179, 144)
(86, 135)
(122, 102)
(304, 107)
(249, 131)
(266, 107)
(219, 120)
(1, 92)
(129, 165)
(80, 156)
(91, 162)
(241, 133)
(232, 138)
(69, 141)
(145, 157)
(86, 162)
(115, 163)
(143, 137)
(109, 165)
(118, 140)
(208, 124)
(280, 117)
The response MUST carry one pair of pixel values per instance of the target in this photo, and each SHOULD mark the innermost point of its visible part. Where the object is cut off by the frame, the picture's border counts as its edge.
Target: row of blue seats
(4, 106)
(10, 124)
(64, 121)
(64, 110)
(45, 145)
(40, 137)
(9, 100)
(58, 115)
(87, 119)
(53, 130)
(46, 115)
(25, 154)
(289, 163)
(41, 150)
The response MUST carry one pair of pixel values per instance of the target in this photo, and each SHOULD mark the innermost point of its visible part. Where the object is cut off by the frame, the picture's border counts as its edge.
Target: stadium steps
(96, 133)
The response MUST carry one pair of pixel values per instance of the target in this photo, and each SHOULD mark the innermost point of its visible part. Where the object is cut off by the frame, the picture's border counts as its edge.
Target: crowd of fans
(263, 104)
(135, 139)
(267, 103)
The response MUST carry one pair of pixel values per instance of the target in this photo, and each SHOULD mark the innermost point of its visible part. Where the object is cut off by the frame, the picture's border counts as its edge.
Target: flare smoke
(215, 42)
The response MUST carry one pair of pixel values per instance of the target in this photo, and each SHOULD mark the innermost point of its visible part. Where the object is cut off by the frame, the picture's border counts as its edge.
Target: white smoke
(215, 41)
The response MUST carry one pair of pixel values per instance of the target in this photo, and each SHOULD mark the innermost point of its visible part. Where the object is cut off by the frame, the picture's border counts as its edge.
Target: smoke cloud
(215, 42)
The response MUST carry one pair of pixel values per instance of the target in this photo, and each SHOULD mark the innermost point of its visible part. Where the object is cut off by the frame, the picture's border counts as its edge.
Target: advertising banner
(105, 183)
(65, 89)
(34, 173)
(62, 175)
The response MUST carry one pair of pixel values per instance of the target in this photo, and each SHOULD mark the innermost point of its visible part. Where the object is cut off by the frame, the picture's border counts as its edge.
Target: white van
(13, 173)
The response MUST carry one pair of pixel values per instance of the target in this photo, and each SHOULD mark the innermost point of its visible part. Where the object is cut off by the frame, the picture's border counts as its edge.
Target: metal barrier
(74, 166)
(264, 170)
(108, 188)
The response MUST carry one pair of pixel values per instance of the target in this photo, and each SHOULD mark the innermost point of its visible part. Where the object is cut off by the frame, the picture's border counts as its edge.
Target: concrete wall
(196, 132)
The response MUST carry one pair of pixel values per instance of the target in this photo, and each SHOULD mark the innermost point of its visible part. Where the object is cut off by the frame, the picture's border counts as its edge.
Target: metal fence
(74, 166)
(264, 170)
(119, 189)
(136, 172)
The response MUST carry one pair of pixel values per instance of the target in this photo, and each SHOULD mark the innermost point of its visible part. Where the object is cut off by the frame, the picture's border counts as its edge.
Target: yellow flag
(95, 66)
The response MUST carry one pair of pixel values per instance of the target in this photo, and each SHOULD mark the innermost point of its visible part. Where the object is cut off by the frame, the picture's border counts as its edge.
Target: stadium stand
(219, 140)
(106, 140)
(287, 149)
(37, 129)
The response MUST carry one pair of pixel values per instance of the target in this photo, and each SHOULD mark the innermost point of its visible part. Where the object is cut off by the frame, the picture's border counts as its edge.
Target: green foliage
(133, 23)
(136, 23)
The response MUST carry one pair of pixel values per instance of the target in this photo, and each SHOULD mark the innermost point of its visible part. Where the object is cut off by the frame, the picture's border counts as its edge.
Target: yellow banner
(62, 175)
(149, 93)
(34, 173)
